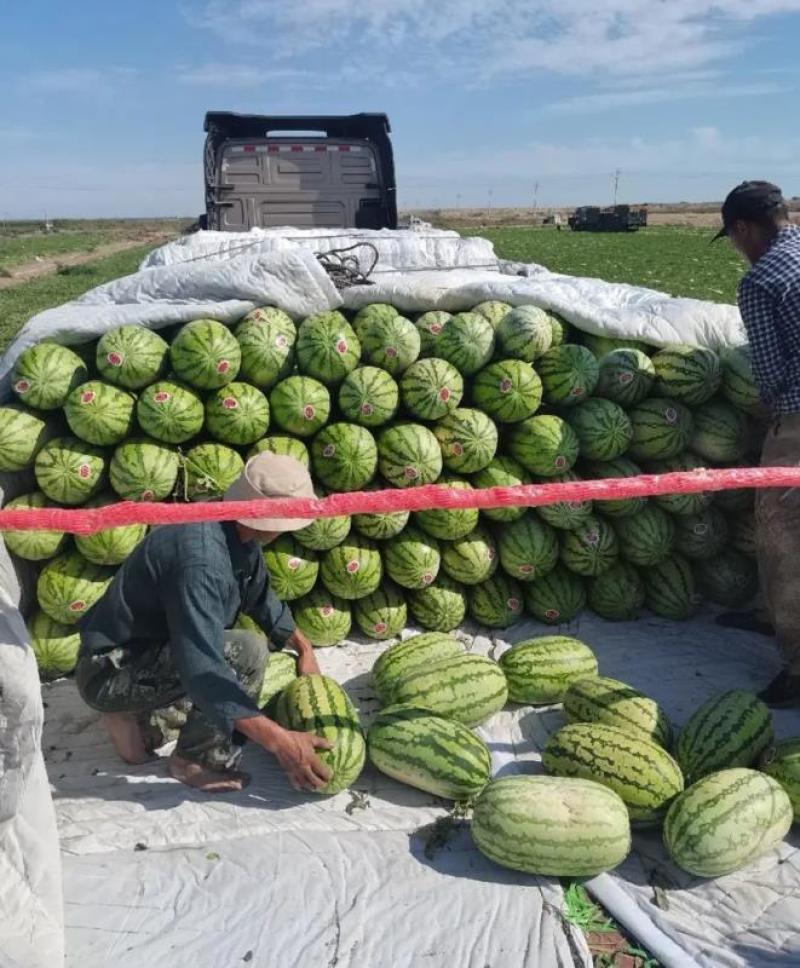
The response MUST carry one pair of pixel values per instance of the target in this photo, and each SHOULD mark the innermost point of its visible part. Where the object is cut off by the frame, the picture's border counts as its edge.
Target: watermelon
(111, 546)
(492, 310)
(528, 548)
(703, 535)
(502, 472)
(556, 598)
(324, 533)
(645, 538)
(327, 348)
(729, 578)
(391, 344)
(209, 470)
(144, 470)
(551, 826)
(352, 569)
(496, 602)
(569, 374)
(344, 456)
(368, 396)
(726, 821)
(738, 385)
(70, 471)
(170, 412)
(440, 606)
(618, 594)
(100, 413)
(205, 354)
(467, 342)
(467, 688)
(300, 405)
(561, 330)
(626, 377)
(471, 559)
(380, 526)
(33, 545)
(54, 644)
(565, 515)
(735, 500)
(370, 314)
(430, 327)
(782, 763)
(429, 752)
(468, 440)
(431, 388)
(507, 391)
(540, 670)
(661, 429)
(416, 652)
(131, 356)
(680, 504)
(22, 435)
(642, 773)
(409, 454)
(266, 338)
(237, 414)
(544, 445)
(690, 374)
(603, 345)
(603, 429)
(524, 333)
(412, 559)
(323, 618)
(598, 699)
(448, 525)
(590, 549)
(248, 624)
(720, 432)
(278, 444)
(44, 375)
(281, 670)
(670, 588)
(292, 568)
(69, 585)
(383, 613)
(742, 533)
(621, 467)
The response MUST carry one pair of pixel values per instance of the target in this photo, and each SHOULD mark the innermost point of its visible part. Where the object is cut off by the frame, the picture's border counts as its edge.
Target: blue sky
(104, 102)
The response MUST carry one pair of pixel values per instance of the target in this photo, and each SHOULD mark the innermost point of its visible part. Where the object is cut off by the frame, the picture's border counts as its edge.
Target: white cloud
(74, 80)
(237, 75)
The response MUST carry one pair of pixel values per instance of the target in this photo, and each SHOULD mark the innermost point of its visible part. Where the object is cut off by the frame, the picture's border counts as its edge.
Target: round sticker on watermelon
(114, 359)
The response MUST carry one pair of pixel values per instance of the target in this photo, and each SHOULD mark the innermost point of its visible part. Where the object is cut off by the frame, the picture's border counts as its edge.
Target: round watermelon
(524, 333)
(440, 606)
(380, 527)
(528, 548)
(621, 467)
(371, 314)
(209, 470)
(544, 445)
(352, 569)
(729, 578)
(344, 456)
(468, 439)
(111, 546)
(701, 536)
(324, 533)
(70, 471)
(565, 515)
(691, 374)
(720, 432)
(237, 414)
(680, 504)
(69, 585)
(645, 538)
(467, 342)
(448, 525)
(661, 429)
(266, 340)
(738, 384)
(170, 412)
(471, 559)
(502, 472)
(300, 405)
(742, 531)
(322, 617)
(555, 598)
(144, 470)
(33, 545)
(44, 375)
(603, 429)
(22, 435)
(278, 444)
(205, 354)
(327, 348)
(292, 568)
(431, 388)
(569, 374)
(390, 344)
(131, 356)
(54, 644)
(492, 310)
(617, 595)
(626, 377)
(408, 455)
(670, 588)
(590, 549)
(369, 396)
(430, 327)
(412, 559)
(100, 413)
(496, 602)
(382, 614)
(508, 391)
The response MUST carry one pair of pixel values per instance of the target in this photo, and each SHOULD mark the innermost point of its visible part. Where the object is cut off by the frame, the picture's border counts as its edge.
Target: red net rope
(433, 496)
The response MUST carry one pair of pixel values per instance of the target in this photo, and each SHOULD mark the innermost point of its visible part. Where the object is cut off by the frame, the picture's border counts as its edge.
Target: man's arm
(768, 357)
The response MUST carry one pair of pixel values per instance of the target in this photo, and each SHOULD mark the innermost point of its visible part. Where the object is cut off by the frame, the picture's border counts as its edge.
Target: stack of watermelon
(492, 396)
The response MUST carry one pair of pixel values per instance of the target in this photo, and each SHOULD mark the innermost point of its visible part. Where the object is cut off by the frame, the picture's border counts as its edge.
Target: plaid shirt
(769, 301)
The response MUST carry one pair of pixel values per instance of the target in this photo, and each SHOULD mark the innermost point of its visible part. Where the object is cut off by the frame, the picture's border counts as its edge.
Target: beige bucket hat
(272, 475)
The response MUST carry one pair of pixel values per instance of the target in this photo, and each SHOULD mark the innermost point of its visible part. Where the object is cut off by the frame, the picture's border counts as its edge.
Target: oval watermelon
(720, 432)
(492, 310)
(467, 688)
(701, 536)
(22, 435)
(539, 671)
(670, 588)
(598, 699)
(690, 374)
(415, 652)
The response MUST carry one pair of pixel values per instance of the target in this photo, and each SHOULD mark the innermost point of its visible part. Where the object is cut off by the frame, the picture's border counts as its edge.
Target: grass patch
(608, 944)
(26, 248)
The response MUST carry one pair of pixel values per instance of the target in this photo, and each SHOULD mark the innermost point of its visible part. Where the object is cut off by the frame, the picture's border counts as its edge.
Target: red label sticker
(625, 378)
(560, 462)
(670, 415)
(592, 537)
(341, 345)
(309, 411)
(526, 569)
(456, 449)
(352, 567)
(77, 606)
(326, 611)
(380, 627)
(391, 352)
(577, 391)
(147, 495)
(490, 554)
(88, 396)
(576, 505)
(435, 328)
(513, 604)
(701, 529)
(411, 473)
(230, 403)
(427, 579)
(84, 471)
(162, 396)
(114, 359)
(366, 409)
(329, 450)
(552, 613)
(444, 394)
(223, 366)
(293, 564)
(281, 341)
(506, 385)
(22, 386)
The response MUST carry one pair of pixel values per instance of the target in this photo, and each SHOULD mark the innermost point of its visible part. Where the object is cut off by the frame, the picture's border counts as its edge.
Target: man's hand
(296, 753)
(307, 664)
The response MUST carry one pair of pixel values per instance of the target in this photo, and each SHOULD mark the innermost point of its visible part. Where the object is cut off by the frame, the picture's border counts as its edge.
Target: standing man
(756, 220)
(160, 634)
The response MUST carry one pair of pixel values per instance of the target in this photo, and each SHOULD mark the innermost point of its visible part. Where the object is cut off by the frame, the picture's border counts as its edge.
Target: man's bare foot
(201, 778)
(125, 734)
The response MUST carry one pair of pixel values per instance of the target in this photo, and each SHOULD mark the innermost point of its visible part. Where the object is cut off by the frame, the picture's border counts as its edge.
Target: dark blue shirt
(185, 584)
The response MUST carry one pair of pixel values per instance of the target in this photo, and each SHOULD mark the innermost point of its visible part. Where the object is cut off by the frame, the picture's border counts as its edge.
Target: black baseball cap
(750, 201)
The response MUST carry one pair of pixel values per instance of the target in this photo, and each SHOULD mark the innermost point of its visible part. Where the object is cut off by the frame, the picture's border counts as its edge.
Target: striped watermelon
(266, 339)
(69, 585)
(492, 310)
(468, 439)
(131, 356)
(680, 504)
(720, 432)
(370, 314)
(448, 525)
(22, 435)
(237, 414)
(670, 588)
(344, 456)
(324, 533)
(380, 527)
(205, 354)
(730, 729)
(278, 444)
(323, 618)
(352, 569)
(281, 670)
(471, 559)
(598, 699)
(729, 578)
(551, 826)
(661, 429)
(431, 388)
(626, 377)
(70, 471)
(440, 606)
(467, 342)
(54, 644)
(430, 327)
(544, 445)
(738, 385)
(292, 568)
(524, 333)
(528, 548)
(100, 413)
(562, 331)
(33, 545)
(726, 821)
(209, 470)
(44, 375)
(782, 763)
(556, 598)
(603, 429)
(391, 344)
(618, 594)
(703, 535)
(742, 533)
(416, 652)
(621, 467)
(382, 614)
(735, 500)
(565, 515)
(246, 623)
(508, 391)
(369, 396)
(643, 774)
(412, 559)
(170, 412)
(143, 470)
(502, 472)
(429, 752)
(300, 405)
(327, 348)
(590, 549)
(603, 345)
(645, 538)
(539, 671)
(569, 374)
(467, 688)
(409, 454)
(496, 602)
(690, 374)
(111, 546)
